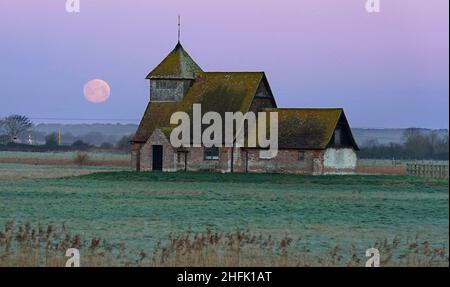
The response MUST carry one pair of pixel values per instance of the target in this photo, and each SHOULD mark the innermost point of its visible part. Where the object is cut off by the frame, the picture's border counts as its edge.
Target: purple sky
(388, 69)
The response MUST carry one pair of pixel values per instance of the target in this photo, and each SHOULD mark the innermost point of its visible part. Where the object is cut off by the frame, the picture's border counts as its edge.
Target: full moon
(96, 91)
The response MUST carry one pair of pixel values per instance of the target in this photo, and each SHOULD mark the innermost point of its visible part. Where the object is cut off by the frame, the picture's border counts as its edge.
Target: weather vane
(179, 28)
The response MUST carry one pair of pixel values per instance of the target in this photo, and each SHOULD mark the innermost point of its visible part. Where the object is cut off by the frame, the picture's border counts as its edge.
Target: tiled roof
(178, 64)
(215, 91)
(308, 128)
(231, 92)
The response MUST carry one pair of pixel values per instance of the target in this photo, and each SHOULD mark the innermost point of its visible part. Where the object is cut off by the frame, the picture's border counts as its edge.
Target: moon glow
(96, 91)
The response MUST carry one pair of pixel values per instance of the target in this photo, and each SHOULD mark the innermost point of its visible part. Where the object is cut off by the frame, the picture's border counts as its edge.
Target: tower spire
(179, 29)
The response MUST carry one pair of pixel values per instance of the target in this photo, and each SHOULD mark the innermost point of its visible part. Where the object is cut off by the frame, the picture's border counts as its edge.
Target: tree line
(14, 130)
(416, 145)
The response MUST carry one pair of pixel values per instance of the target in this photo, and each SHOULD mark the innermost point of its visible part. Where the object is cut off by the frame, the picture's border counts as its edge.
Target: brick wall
(169, 154)
(244, 160)
(174, 159)
(135, 151)
(286, 161)
(196, 161)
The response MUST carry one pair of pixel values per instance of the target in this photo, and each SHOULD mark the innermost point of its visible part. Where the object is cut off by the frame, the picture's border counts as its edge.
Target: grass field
(143, 209)
(66, 158)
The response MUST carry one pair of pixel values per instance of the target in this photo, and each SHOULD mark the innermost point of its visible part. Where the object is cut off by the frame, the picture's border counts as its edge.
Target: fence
(397, 162)
(427, 170)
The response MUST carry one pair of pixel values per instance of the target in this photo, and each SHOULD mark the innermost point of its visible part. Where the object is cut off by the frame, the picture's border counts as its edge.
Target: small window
(337, 137)
(166, 85)
(211, 153)
(301, 155)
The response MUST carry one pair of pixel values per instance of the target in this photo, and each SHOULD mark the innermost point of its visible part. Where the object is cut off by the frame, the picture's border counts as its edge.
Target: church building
(310, 141)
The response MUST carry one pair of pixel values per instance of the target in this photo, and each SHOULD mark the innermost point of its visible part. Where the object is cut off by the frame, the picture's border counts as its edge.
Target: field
(140, 210)
(66, 158)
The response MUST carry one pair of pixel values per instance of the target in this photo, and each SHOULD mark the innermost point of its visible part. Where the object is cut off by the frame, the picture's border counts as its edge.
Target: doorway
(157, 157)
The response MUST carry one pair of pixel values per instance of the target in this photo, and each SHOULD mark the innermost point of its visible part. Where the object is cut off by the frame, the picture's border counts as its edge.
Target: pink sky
(387, 70)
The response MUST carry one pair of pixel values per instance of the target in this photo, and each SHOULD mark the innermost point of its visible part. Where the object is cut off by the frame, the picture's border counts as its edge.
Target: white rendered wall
(340, 159)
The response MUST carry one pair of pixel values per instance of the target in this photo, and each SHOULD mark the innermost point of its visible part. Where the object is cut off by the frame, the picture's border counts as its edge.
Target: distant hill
(118, 130)
(113, 132)
(95, 134)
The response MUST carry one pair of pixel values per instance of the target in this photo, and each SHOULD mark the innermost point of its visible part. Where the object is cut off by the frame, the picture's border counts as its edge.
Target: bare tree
(1, 126)
(124, 142)
(3, 138)
(15, 125)
(410, 133)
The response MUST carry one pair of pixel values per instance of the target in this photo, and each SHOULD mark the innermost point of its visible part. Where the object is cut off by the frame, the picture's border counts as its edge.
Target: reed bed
(27, 246)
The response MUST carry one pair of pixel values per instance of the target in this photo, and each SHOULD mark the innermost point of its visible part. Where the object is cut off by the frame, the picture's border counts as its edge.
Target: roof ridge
(304, 109)
(233, 72)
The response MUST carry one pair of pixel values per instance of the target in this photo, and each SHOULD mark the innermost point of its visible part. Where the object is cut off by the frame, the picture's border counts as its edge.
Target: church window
(211, 153)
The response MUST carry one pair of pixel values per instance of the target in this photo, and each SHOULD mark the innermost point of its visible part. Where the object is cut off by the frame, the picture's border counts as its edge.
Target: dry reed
(23, 245)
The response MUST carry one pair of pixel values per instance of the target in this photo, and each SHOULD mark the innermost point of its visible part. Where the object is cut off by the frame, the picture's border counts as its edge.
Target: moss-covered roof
(178, 64)
(308, 128)
(231, 92)
(156, 115)
(215, 91)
